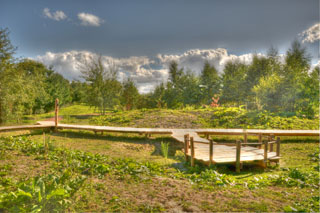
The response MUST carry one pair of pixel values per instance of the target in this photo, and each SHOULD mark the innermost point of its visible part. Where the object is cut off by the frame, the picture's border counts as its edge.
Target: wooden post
(207, 136)
(260, 140)
(188, 141)
(245, 138)
(56, 114)
(265, 160)
(278, 146)
(186, 146)
(271, 147)
(238, 154)
(210, 153)
(192, 151)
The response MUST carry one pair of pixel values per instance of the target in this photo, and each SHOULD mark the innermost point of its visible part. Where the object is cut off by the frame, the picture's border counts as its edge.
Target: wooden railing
(268, 145)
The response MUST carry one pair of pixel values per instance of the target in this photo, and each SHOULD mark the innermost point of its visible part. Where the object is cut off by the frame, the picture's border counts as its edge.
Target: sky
(143, 36)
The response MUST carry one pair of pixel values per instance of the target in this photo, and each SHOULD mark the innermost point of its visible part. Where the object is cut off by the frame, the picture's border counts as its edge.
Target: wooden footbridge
(197, 148)
(202, 149)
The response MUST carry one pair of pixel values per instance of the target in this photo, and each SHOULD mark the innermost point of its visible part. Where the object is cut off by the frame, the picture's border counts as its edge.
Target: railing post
(278, 146)
(186, 146)
(265, 160)
(211, 152)
(56, 113)
(192, 151)
(238, 154)
(245, 139)
(260, 140)
(271, 145)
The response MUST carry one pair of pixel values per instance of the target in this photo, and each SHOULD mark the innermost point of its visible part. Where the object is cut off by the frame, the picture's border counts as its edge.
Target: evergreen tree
(129, 94)
(233, 83)
(103, 87)
(209, 82)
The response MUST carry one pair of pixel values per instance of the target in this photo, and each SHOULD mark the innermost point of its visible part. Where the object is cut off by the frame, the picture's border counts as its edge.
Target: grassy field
(83, 172)
(221, 117)
(80, 171)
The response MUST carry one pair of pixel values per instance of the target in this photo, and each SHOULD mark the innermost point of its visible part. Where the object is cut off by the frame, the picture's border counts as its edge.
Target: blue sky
(143, 29)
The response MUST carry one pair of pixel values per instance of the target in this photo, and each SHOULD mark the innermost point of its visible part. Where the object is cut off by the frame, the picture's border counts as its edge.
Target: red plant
(214, 102)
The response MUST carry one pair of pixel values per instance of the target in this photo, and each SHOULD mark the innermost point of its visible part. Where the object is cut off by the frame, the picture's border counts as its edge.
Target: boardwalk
(222, 153)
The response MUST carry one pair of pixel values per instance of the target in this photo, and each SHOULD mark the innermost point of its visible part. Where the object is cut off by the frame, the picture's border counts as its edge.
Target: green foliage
(129, 95)
(233, 81)
(264, 84)
(62, 188)
(51, 193)
(291, 177)
(238, 117)
(210, 83)
(165, 149)
(103, 87)
(210, 178)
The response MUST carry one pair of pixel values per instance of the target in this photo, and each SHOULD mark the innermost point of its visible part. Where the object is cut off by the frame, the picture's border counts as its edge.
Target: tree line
(267, 83)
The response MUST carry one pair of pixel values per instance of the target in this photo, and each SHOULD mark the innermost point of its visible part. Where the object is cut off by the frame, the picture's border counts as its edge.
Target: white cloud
(312, 34)
(194, 59)
(58, 15)
(137, 68)
(88, 19)
(146, 72)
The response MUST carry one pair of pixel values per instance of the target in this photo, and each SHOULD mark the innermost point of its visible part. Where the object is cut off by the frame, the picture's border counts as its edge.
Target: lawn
(82, 172)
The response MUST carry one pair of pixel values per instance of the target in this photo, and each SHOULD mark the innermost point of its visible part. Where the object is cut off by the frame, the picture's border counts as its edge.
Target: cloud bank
(312, 34)
(146, 72)
(88, 19)
(57, 16)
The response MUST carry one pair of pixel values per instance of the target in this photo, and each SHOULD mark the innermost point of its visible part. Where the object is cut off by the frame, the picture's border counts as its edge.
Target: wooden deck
(221, 153)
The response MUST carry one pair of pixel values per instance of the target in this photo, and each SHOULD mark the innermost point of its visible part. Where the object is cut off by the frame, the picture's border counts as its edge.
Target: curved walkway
(221, 153)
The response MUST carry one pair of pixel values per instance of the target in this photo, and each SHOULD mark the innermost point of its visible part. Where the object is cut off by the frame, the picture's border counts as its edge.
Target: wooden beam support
(210, 152)
(192, 151)
(238, 154)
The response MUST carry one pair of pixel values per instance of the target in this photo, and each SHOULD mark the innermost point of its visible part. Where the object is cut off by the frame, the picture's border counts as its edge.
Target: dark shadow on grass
(174, 146)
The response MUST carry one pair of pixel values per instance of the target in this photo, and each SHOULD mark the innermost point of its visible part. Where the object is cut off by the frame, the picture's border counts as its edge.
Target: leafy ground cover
(219, 117)
(79, 171)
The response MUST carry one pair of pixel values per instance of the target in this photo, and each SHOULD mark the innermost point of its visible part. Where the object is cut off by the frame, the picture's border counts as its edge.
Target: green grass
(127, 172)
(222, 117)
(83, 172)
